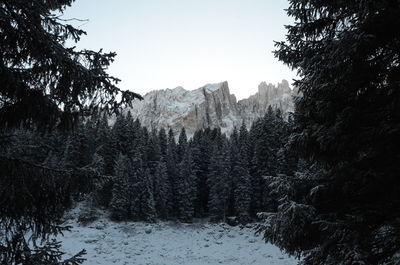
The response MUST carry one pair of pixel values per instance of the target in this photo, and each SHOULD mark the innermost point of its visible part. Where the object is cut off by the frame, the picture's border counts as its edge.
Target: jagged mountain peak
(215, 86)
(211, 105)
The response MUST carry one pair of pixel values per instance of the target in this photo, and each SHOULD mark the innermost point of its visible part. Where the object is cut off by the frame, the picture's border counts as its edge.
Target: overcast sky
(189, 43)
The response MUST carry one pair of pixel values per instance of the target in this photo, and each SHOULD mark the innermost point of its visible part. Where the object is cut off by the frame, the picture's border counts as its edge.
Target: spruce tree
(45, 84)
(104, 144)
(163, 142)
(347, 120)
(163, 191)
(200, 171)
(218, 182)
(186, 188)
(172, 169)
(242, 193)
(182, 145)
(145, 199)
(122, 194)
(44, 81)
(153, 152)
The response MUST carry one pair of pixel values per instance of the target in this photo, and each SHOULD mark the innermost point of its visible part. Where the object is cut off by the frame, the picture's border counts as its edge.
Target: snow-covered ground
(169, 243)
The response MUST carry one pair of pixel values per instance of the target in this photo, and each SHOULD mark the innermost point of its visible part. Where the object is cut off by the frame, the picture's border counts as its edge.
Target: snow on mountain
(209, 106)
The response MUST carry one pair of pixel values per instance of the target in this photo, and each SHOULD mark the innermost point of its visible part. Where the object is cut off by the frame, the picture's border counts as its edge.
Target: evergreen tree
(34, 58)
(44, 84)
(234, 160)
(120, 136)
(172, 169)
(200, 171)
(242, 190)
(182, 145)
(347, 120)
(77, 153)
(123, 193)
(163, 191)
(186, 185)
(163, 142)
(153, 152)
(218, 181)
(244, 146)
(145, 201)
(104, 145)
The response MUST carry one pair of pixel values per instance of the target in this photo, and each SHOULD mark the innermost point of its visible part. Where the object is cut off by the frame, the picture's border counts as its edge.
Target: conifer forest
(314, 180)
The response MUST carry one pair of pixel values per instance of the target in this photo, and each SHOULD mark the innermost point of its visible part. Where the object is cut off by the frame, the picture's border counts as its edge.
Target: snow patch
(169, 243)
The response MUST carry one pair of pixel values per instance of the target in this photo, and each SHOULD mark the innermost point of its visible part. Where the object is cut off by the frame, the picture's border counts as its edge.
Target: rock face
(209, 106)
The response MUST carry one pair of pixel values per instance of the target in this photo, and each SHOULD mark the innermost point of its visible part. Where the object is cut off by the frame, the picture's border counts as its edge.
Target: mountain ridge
(211, 105)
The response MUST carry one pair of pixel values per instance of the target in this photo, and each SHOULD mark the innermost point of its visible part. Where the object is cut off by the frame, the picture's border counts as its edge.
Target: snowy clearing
(168, 243)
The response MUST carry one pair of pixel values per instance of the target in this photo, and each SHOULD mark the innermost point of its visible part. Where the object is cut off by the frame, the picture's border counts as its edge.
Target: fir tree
(200, 171)
(104, 145)
(45, 85)
(163, 191)
(153, 152)
(172, 169)
(346, 54)
(163, 142)
(182, 145)
(122, 194)
(144, 201)
(218, 181)
(186, 193)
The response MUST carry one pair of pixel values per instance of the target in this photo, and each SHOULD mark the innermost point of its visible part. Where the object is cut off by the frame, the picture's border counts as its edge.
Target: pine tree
(163, 191)
(163, 142)
(122, 194)
(44, 85)
(120, 135)
(186, 185)
(200, 171)
(218, 181)
(104, 145)
(233, 160)
(145, 200)
(77, 153)
(34, 44)
(172, 169)
(347, 120)
(153, 152)
(242, 193)
(182, 145)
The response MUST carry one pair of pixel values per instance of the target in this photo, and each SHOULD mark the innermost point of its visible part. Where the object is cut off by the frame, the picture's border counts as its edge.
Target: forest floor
(169, 243)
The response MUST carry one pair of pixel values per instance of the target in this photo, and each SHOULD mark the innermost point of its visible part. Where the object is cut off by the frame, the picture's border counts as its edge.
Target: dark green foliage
(347, 120)
(132, 194)
(77, 153)
(145, 209)
(104, 145)
(153, 152)
(43, 80)
(186, 188)
(123, 190)
(201, 147)
(172, 169)
(241, 190)
(48, 254)
(33, 212)
(219, 182)
(163, 196)
(143, 180)
(162, 138)
(45, 85)
(182, 145)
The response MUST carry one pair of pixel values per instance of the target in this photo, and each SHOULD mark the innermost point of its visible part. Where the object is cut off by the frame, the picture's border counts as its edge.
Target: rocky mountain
(209, 106)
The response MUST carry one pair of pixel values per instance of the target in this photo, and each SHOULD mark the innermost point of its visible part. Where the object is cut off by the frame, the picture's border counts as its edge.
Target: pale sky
(189, 43)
